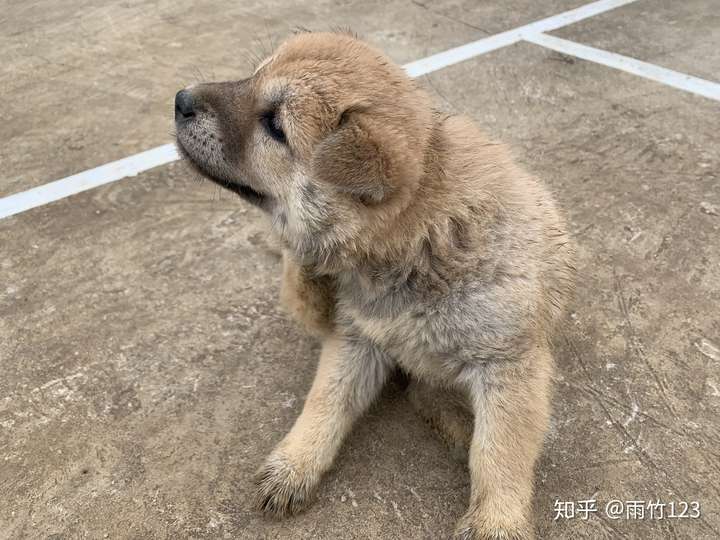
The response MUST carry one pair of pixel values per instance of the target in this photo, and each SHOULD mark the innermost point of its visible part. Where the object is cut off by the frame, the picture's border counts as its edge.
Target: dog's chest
(434, 335)
(422, 343)
(403, 338)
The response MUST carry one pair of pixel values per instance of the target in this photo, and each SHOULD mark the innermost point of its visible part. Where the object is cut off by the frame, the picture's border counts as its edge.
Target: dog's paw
(470, 529)
(472, 533)
(282, 489)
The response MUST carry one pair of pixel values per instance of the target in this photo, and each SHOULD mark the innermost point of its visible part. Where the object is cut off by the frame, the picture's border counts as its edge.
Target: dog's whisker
(252, 59)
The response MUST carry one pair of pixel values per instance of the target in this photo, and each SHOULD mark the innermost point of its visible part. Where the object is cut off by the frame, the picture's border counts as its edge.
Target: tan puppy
(411, 241)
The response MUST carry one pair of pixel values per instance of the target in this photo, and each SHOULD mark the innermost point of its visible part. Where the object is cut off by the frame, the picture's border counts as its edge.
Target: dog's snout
(184, 106)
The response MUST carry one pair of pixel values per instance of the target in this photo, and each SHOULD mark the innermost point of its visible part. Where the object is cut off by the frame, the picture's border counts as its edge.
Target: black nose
(184, 109)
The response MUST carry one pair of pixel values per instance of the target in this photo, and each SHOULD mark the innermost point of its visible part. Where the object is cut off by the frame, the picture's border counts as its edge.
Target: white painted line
(137, 163)
(497, 41)
(104, 174)
(695, 85)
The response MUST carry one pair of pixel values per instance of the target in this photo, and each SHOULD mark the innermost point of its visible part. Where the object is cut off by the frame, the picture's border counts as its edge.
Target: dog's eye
(271, 123)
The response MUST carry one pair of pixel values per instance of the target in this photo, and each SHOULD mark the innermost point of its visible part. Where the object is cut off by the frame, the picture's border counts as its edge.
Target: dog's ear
(363, 158)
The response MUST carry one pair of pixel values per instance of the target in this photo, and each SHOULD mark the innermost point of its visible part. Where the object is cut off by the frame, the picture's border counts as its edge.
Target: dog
(409, 240)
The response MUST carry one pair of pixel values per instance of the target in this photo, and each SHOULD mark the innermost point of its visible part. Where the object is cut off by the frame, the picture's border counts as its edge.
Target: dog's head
(328, 136)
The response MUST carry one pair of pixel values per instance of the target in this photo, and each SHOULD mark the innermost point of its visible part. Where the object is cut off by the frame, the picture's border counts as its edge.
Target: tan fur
(447, 411)
(309, 298)
(410, 240)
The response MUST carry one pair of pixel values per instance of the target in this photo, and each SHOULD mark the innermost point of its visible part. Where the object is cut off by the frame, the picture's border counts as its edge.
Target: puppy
(409, 240)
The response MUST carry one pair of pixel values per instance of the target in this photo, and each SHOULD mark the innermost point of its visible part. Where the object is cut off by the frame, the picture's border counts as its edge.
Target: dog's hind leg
(447, 411)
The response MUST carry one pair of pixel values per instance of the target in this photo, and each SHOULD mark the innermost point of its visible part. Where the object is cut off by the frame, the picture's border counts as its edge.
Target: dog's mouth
(243, 190)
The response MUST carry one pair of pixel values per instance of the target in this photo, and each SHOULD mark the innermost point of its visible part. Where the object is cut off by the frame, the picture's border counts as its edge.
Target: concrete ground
(147, 370)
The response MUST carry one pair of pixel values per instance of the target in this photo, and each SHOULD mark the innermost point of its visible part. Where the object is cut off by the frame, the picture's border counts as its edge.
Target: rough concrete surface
(146, 367)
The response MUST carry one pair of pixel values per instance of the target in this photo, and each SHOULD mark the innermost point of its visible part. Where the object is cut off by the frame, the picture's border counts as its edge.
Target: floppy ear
(360, 158)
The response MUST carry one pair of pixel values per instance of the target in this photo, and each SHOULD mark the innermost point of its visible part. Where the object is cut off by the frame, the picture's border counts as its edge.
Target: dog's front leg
(350, 375)
(511, 406)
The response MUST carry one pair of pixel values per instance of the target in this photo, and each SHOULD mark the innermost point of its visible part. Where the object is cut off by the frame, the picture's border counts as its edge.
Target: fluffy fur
(409, 240)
